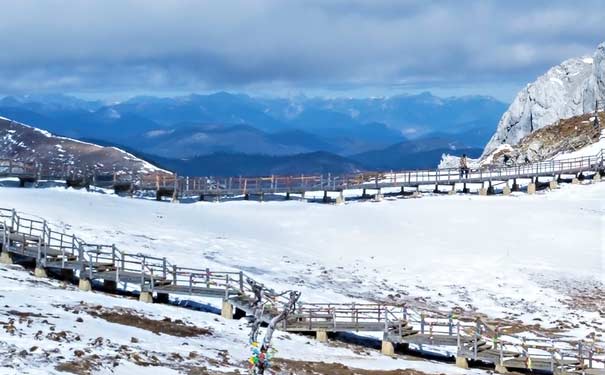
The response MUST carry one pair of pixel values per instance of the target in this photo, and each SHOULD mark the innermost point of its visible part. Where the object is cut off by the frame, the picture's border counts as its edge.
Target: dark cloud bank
(128, 45)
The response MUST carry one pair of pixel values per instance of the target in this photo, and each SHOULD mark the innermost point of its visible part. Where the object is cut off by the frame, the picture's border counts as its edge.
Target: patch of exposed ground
(92, 364)
(564, 136)
(83, 366)
(291, 367)
(586, 296)
(129, 317)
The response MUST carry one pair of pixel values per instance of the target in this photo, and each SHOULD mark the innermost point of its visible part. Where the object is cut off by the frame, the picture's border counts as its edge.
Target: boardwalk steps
(469, 337)
(215, 188)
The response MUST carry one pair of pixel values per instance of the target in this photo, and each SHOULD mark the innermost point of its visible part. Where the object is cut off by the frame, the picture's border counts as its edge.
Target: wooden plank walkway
(468, 337)
(203, 187)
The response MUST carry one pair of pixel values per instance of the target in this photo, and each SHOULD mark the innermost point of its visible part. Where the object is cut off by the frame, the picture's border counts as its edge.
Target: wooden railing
(189, 186)
(402, 323)
(298, 184)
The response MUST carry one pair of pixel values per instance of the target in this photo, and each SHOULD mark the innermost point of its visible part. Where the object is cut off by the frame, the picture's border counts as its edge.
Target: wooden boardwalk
(468, 337)
(207, 187)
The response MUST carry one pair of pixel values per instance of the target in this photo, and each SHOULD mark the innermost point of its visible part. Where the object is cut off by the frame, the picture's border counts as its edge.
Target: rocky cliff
(570, 89)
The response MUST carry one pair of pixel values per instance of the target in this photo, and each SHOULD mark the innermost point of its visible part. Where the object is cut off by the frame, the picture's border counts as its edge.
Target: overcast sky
(327, 47)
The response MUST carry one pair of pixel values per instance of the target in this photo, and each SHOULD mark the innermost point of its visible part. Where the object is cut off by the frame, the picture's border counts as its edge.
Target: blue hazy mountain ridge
(218, 108)
(413, 154)
(422, 113)
(237, 164)
(188, 127)
(413, 115)
(50, 102)
(189, 140)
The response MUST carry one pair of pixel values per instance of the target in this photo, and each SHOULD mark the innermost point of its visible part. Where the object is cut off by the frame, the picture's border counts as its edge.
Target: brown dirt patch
(287, 366)
(166, 326)
(570, 134)
(81, 366)
(24, 314)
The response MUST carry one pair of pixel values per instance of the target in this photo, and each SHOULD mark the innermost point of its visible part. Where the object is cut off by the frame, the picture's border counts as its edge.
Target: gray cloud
(112, 45)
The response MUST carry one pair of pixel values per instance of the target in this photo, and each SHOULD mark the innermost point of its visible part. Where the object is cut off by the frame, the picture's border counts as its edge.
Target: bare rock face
(565, 136)
(566, 90)
(595, 85)
(62, 156)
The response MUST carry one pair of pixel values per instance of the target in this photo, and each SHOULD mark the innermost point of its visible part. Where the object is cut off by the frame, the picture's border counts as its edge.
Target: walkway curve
(34, 240)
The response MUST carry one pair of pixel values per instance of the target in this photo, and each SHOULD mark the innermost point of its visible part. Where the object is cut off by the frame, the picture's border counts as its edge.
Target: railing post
(208, 278)
(174, 274)
(44, 231)
(422, 323)
(475, 345)
(241, 281)
(39, 258)
(90, 268)
(458, 340)
(450, 324)
(227, 280)
(526, 352)
(164, 269)
(117, 265)
(143, 272)
(552, 356)
(81, 259)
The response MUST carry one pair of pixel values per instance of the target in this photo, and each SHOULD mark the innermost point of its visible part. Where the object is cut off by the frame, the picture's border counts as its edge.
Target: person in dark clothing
(464, 166)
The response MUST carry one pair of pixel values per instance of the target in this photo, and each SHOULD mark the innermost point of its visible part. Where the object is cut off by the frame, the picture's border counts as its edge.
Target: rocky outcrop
(570, 89)
(564, 137)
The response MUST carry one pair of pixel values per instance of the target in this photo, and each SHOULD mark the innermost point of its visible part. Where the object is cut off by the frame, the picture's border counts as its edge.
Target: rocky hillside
(20, 142)
(559, 139)
(569, 89)
(565, 136)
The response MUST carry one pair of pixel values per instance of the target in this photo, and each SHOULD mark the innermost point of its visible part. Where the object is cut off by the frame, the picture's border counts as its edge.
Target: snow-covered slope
(49, 327)
(58, 155)
(569, 89)
(516, 258)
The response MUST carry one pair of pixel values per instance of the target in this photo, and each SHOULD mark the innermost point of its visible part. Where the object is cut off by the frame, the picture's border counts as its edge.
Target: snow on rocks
(569, 89)
(451, 161)
(25, 143)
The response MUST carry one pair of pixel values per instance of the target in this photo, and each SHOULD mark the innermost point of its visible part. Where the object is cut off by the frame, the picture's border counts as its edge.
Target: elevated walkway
(469, 337)
(205, 187)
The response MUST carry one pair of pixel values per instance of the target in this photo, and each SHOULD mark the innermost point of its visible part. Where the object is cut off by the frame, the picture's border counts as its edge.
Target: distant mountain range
(291, 135)
(236, 164)
(413, 154)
